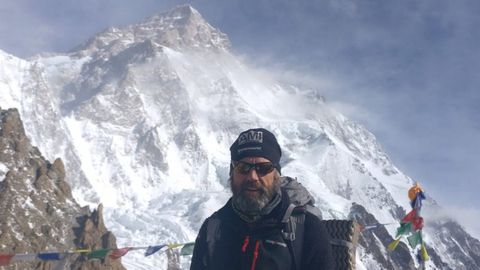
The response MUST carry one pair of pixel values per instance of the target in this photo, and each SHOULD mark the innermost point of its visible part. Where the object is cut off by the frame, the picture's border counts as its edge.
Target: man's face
(253, 189)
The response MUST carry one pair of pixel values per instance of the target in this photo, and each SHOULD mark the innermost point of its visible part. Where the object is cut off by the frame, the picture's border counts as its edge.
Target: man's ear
(231, 170)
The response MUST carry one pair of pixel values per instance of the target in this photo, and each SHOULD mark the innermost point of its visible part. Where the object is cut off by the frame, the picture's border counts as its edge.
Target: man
(251, 231)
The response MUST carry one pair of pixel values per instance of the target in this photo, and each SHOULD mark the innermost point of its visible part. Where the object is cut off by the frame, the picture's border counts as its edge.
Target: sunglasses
(262, 169)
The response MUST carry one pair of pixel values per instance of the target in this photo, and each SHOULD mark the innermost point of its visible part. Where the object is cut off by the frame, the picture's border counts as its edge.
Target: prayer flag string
(113, 253)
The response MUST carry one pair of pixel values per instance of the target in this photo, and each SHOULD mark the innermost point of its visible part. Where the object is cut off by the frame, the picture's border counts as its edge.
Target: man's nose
(252, 175)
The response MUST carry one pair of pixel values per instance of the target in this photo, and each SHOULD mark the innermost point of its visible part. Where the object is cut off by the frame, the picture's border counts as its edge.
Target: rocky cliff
(37, 210)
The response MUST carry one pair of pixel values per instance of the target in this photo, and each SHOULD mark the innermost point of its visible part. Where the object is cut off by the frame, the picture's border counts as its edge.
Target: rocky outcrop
(460, 247)
(37, 210)
(92, 234)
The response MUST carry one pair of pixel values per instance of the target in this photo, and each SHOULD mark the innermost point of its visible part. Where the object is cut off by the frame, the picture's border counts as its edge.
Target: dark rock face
(458, 244)
(37, 210)
(92, 234)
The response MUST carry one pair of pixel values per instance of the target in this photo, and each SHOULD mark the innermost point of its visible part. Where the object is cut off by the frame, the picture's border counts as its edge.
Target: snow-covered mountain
(143, 117)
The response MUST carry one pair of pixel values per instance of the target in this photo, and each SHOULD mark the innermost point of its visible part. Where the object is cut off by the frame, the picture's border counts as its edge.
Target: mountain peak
(182, 27)
(183, 11)
(178, 16)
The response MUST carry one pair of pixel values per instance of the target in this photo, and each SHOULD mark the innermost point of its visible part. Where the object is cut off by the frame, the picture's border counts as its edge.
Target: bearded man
(252, 231)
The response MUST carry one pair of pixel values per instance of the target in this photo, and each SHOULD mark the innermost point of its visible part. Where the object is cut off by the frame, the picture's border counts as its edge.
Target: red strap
(255, 255)
(245, 243)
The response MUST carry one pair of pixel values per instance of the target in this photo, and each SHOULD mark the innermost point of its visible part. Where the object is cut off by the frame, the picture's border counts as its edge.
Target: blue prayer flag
(417, 202)
(152, 249)
(54, 256)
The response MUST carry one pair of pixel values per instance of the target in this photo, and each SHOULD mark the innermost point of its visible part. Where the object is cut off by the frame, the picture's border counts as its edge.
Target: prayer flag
(82, 250)
(171, 246)
(117, 253)
(187, 249)
(413, 191)
(52, 256)
(423, 250)
(417, 224)
(419, 258)
(394, 244)
(415, 239)
(152, 249)
(416, 203)
(98, 254)
(5, 258)
(404, 228)
(410, 216)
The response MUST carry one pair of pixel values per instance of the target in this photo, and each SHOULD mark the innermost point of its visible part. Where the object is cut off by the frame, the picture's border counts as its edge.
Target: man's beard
(253, 204)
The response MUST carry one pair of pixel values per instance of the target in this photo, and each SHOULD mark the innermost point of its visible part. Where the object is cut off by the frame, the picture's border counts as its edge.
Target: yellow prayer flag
(425, 256)
(174, 245)
(392, 246)
(82, 251)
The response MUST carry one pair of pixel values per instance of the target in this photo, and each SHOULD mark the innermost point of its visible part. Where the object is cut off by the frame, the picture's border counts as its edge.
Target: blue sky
(407, 70)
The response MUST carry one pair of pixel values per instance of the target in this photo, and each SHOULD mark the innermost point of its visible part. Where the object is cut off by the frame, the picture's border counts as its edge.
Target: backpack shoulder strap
(289, 226)
(212, 234)
(293, 231)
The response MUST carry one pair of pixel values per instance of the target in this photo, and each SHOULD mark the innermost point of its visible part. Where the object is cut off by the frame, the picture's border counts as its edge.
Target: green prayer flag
(404, 228)
(415, 239)
(98, 254)
(187, 249)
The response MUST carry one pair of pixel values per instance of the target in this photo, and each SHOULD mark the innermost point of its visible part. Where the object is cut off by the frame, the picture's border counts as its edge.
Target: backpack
(344, 233)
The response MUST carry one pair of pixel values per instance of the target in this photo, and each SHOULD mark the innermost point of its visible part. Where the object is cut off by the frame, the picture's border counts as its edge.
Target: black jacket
(234, 244)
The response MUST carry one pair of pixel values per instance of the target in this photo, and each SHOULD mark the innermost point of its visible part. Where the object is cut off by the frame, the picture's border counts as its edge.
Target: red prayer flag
(417, 223)
(410, 216)
(5, 258)
(117, 253)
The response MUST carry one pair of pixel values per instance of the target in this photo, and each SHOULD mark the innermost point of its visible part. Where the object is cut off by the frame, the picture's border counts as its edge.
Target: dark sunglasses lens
(264, 168)
(243, 167)
(260, 168)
